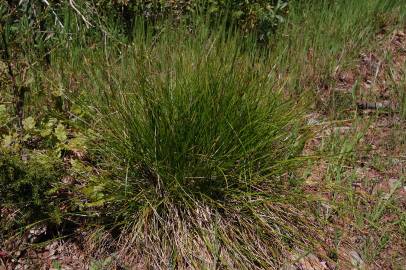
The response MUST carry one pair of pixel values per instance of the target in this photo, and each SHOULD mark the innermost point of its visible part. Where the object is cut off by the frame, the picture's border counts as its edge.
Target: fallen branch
(385, 105)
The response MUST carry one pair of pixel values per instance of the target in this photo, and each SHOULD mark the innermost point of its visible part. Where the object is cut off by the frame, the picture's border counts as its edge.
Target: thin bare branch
(72, 4)
(53, 12)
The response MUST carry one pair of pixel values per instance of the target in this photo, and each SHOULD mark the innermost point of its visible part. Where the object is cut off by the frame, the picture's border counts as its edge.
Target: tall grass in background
(322, 38)
(313, 41)
(199, 150)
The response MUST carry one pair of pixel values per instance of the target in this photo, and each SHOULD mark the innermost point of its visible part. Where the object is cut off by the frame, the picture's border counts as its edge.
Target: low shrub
(35, 163)
(260, 16)
(27, 186)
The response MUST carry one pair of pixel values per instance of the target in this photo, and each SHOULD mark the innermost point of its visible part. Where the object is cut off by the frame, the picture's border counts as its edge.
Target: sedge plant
(198, 150)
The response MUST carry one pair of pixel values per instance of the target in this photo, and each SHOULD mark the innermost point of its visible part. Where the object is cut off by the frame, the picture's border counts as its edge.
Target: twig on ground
(53, 12)
(72, 4)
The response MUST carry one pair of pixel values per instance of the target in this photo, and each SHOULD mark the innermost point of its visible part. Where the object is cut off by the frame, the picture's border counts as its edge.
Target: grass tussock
(200, 150)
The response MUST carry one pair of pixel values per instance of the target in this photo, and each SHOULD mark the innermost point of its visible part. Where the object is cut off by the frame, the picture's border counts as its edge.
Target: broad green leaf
(47, 129)
(7, 140)
(29, 123)
(45, 132)
(60, 133)
(77, 110)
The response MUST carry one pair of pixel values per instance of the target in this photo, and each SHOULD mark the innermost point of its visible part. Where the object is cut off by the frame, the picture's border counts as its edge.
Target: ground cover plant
(226, 134)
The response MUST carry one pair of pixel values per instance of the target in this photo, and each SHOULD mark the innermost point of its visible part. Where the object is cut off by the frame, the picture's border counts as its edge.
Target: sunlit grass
(200, 149)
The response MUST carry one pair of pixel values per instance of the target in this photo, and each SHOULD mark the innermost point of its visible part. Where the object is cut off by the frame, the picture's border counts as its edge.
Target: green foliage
(60, 133)
(4, 116)
(25, 182)
(25, 185)
(32, 168)
(261, 16)
(192, 123)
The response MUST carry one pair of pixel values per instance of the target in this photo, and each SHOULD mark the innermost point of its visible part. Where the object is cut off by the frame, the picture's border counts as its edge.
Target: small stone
(356, 260)
(394, 183)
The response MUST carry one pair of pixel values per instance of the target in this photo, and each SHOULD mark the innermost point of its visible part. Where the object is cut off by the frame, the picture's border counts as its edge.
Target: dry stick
(18, 93)
(53, 12)
(72, 4)
(364, 105)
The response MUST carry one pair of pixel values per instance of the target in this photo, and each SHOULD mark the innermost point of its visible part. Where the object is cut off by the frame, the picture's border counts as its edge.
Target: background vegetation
(182, 133)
